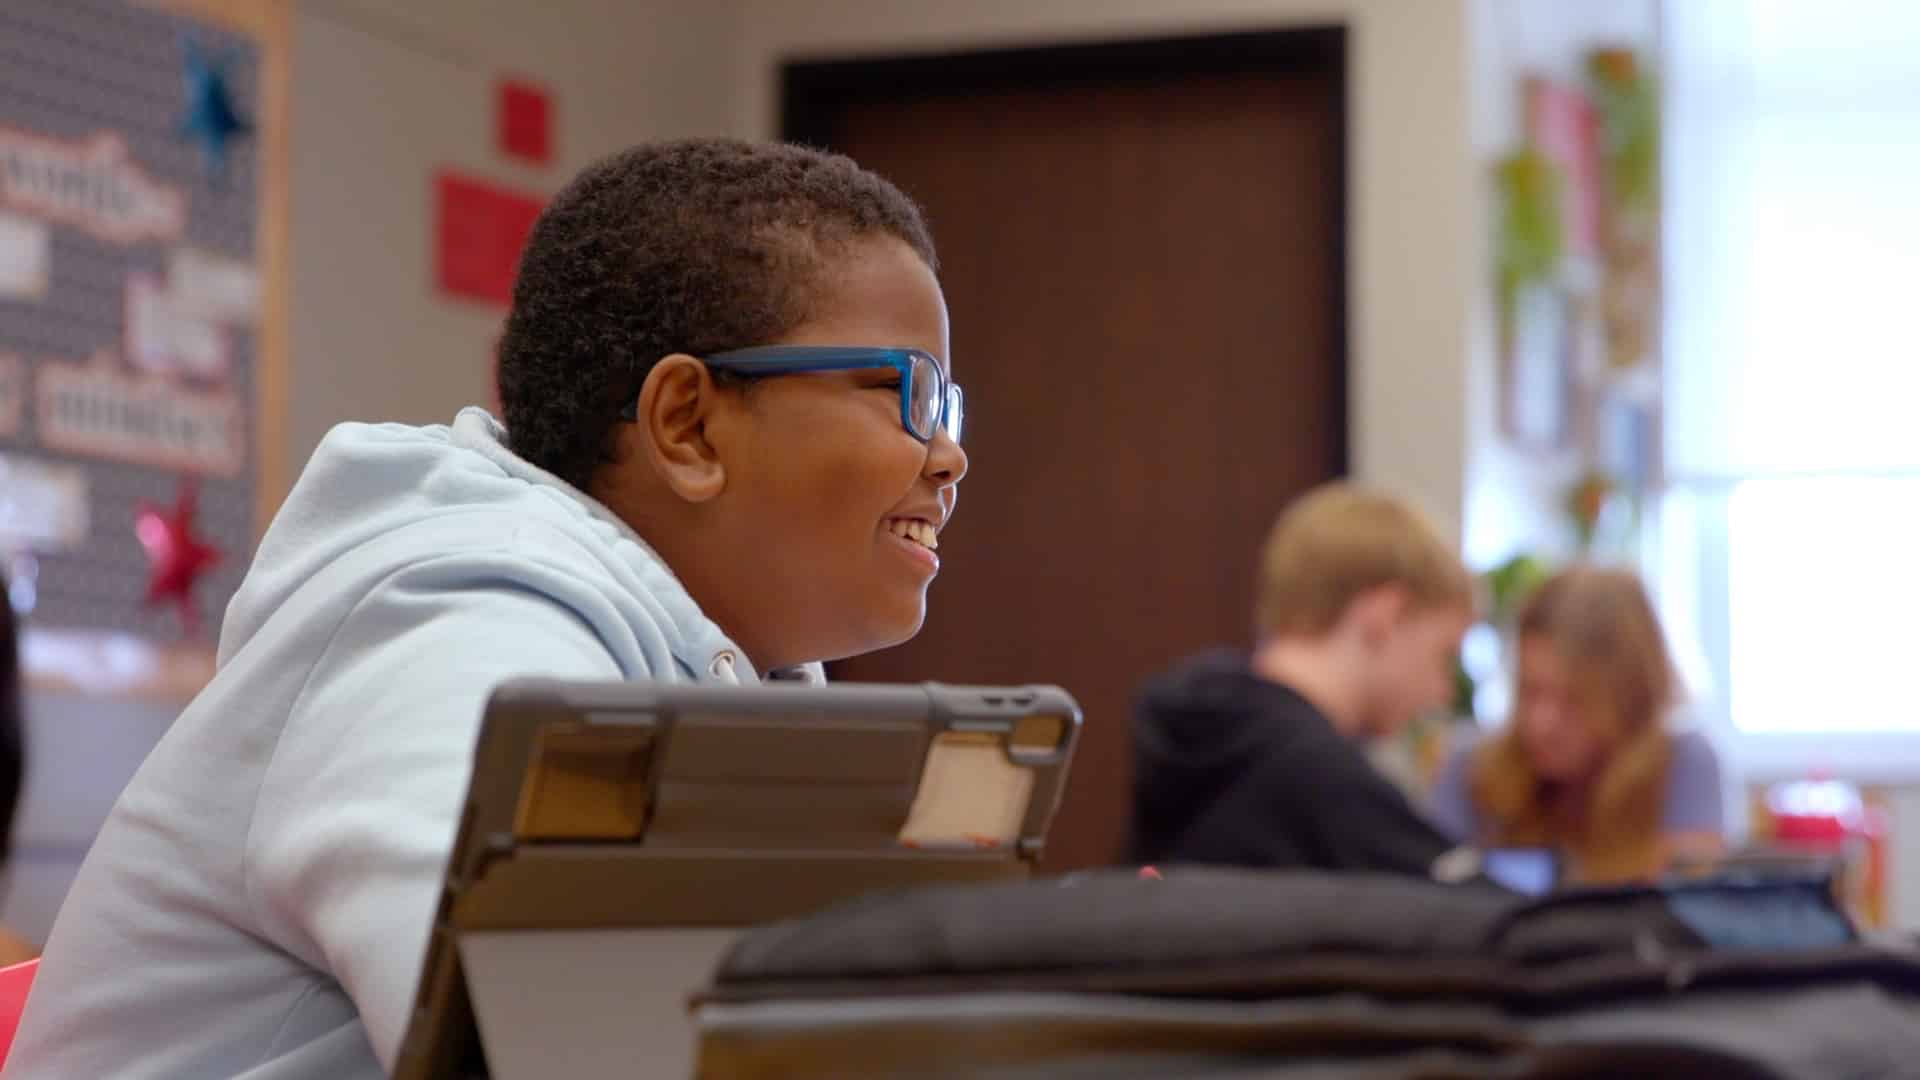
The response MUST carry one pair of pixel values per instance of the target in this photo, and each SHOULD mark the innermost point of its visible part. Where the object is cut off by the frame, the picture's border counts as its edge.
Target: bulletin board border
(109, 664)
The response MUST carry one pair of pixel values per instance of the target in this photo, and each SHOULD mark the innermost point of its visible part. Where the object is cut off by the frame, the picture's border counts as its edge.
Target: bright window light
(1823, 596)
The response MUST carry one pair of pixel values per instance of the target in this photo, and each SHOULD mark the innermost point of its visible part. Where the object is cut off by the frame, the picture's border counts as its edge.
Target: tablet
(607, 806)
(1528, 871)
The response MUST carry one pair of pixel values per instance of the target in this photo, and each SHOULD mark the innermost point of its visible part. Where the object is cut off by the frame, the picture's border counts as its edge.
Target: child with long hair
(1587, 766)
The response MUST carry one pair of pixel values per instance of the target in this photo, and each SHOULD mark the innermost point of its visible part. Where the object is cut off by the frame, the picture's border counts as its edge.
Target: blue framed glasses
(929, 401)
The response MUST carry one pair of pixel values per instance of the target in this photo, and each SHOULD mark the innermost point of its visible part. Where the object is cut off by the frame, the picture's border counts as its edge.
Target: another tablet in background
(1528, 871)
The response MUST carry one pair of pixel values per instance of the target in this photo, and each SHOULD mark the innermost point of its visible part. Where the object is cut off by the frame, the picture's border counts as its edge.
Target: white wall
(385, 94)
(1411, 243)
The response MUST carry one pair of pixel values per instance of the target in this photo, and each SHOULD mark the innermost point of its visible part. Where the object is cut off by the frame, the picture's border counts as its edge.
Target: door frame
(812, 90)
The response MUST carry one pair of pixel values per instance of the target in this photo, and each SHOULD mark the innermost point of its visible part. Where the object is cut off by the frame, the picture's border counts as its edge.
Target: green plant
(1509, 584)
(1530, 238)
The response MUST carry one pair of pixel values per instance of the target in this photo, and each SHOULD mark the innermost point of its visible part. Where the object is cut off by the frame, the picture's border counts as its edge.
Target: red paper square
(525, 121)
(480, 229)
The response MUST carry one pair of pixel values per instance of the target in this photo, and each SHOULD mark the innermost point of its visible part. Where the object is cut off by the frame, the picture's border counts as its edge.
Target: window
(1791, 533)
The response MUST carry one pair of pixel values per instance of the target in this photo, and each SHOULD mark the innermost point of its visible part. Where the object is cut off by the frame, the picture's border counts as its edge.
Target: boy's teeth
(919, 532)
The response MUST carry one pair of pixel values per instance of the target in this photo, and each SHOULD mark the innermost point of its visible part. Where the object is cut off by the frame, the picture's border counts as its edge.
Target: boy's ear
(676, 401)
(1377, 612)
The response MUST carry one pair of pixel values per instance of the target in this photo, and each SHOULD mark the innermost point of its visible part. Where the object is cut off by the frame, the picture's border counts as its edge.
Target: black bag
(1227, 973)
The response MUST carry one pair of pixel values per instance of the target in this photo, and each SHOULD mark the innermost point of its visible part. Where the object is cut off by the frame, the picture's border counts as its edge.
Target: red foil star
(175, 557)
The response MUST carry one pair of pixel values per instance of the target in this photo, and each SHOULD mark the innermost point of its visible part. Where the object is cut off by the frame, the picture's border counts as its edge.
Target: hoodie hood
(1199, 731)
(381, 496)
(1203, 715)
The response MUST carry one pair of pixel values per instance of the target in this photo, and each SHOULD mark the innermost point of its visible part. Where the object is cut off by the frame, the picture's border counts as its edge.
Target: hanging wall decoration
(129, 318)
(1533, 384)
(1577, 290)
(1628, 440)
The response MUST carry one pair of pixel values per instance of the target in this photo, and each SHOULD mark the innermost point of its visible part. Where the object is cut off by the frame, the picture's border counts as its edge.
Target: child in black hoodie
(1257, 760)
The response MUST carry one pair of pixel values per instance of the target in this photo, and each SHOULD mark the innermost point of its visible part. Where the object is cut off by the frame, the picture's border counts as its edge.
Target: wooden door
(1142, 254)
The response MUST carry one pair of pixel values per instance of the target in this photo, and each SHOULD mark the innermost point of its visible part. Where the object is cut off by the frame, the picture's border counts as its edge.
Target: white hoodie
(257, 904)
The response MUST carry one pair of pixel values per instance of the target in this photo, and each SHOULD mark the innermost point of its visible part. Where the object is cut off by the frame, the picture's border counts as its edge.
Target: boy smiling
(730, 442)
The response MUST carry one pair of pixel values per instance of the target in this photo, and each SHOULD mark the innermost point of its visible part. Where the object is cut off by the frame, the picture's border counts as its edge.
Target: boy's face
(825, 479)
(1414, 666)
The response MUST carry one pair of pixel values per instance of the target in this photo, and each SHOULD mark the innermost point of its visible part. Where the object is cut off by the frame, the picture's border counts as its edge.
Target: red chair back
(15, 981)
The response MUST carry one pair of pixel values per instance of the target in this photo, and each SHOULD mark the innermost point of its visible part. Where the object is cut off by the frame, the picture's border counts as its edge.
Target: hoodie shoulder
(377, 499)
(1204, 708)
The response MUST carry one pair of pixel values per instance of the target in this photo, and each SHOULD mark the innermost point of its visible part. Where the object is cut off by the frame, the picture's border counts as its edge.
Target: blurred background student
(12, 948)
(1256, 759)
(1586, 765)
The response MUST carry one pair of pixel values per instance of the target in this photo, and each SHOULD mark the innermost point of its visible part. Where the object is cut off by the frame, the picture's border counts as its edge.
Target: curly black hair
(693, 246)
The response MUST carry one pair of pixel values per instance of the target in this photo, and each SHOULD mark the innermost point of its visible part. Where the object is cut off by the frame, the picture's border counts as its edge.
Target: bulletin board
(134, 309)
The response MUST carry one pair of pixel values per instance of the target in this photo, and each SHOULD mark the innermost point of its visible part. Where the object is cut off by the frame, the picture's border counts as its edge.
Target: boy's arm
(357, 813)
(1450, 802)
(1360, 820)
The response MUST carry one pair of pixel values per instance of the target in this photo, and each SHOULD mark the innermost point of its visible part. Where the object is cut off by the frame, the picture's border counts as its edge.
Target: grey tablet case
(630, 806)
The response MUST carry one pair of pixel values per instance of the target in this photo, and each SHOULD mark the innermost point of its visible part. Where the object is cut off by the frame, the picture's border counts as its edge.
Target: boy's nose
(946, 461)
